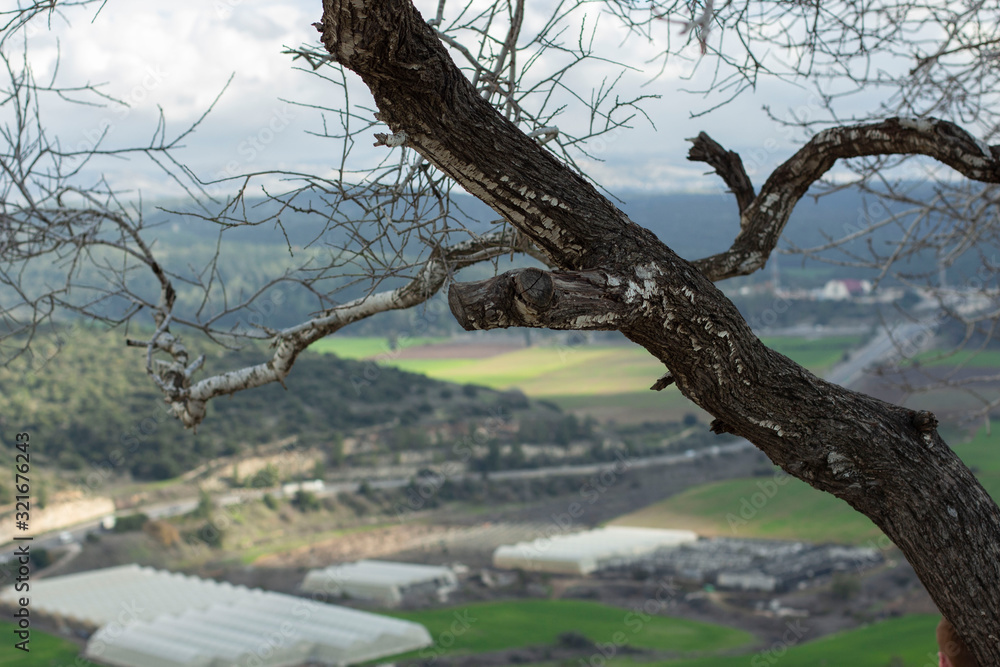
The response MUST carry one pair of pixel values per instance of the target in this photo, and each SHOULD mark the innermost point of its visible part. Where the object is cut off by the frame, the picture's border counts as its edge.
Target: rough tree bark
(888, 462)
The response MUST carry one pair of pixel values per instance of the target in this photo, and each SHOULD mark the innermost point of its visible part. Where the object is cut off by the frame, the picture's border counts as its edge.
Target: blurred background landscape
(403, 438)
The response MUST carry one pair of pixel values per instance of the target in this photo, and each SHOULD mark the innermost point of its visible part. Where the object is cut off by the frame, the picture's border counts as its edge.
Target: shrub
(265, 478)
(165, 534)
(132, 522)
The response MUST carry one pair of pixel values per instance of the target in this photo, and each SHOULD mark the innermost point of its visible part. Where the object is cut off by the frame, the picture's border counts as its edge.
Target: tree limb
(763, 219)
(878, 457)
(726, 164)
(582, 300)
(188, 399)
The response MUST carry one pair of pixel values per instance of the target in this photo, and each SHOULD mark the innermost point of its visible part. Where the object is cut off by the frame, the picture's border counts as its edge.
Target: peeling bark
(886, 461)
(188, 400)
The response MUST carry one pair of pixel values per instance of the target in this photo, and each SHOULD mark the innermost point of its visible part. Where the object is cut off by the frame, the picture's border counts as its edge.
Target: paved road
(911, 337)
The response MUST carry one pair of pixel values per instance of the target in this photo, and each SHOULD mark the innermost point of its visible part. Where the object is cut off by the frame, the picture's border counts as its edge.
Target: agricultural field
(910, 639)
(356, 347)
(497, 626)
(604, 381)
(782, 507)
(961, 358)
(766, 507)
(509, 625)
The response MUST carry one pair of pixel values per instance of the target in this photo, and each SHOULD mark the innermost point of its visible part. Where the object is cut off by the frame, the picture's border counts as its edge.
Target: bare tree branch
(763, 220)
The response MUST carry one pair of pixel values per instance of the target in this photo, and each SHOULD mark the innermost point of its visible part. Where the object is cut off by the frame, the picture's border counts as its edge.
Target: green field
(355, 347)
(46, 650)
(549, 371)
(910, 638)
(582, 370)
(497, 626)
(963, 358)
(758, 507)
(604, 381)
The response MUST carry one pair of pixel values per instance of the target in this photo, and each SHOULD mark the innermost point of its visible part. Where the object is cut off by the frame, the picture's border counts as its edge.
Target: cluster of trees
(115, 424)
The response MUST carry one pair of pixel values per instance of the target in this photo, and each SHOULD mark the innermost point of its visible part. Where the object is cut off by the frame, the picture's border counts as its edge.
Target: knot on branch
(534, 287)
(924, 421)
(189, 412)
(581, 300)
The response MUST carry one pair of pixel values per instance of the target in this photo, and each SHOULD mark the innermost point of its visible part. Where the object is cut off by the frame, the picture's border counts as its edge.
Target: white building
(583, 553)
(841, 290)
(162, 619)
(381, 581)
(748, 581)
(311, 486)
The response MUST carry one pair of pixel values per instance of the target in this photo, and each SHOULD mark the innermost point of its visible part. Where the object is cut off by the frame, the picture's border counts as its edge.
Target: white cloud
(177, 56)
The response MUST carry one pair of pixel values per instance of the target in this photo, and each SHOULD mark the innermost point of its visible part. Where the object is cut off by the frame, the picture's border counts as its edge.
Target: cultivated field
(758, 507)
(791, 509)
(603, 381)
(910, 639)
(499, 626)
(503, 626)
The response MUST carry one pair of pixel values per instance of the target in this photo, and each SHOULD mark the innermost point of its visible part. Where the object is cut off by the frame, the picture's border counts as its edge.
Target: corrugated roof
(587, 550)
(155, 618)
(376, 580)
(384, 572)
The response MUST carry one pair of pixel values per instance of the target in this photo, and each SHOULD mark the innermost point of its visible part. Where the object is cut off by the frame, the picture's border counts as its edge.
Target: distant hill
(694, 225)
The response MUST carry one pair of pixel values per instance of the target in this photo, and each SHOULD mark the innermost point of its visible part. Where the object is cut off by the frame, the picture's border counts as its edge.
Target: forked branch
(763, 219)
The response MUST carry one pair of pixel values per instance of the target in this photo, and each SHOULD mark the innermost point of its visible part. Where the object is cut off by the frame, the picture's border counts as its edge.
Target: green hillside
(86, 400)
(747, 508)
(791, 509)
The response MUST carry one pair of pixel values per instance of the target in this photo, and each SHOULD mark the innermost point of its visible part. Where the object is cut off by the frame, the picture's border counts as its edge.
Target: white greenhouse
(382, 581)
(161, 619)
(583, 553)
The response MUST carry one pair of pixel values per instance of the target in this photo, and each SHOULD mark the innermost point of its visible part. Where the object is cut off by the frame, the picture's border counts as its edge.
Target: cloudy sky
(178, 56)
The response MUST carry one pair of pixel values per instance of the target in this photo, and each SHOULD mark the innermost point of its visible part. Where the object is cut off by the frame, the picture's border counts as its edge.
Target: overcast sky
(178, 56)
